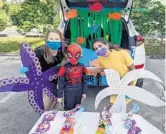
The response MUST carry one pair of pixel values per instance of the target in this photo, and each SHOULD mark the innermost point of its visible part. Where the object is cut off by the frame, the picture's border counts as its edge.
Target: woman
(112, 58)
(50, 55)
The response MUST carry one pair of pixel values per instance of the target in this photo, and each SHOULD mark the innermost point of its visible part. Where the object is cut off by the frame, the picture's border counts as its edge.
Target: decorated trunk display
(89, 24)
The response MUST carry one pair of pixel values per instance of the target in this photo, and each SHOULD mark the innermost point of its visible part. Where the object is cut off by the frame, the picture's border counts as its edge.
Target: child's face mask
(102, 51)
(54, 45)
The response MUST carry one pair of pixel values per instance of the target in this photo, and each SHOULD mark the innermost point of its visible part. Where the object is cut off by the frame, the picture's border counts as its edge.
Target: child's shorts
(128, 99)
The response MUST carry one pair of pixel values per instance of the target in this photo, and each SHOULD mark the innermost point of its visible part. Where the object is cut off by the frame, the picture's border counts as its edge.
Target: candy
(68, 127)
(49, 116)
(78, 108)
(135, 108)
(43, 127)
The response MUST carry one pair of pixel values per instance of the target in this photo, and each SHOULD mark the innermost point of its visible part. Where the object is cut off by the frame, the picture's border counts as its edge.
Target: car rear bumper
(140, 56)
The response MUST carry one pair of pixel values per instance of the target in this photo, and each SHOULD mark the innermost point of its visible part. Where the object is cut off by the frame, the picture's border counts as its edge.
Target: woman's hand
(94, 63)
(24, 70)
(83, 97)
(59, 100)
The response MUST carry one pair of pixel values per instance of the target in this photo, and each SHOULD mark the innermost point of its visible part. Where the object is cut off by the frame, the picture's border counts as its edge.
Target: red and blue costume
(72, 78)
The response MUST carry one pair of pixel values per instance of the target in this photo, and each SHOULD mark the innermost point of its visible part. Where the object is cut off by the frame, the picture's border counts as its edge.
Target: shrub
(3, 20)
(154, 47)
(9, 44)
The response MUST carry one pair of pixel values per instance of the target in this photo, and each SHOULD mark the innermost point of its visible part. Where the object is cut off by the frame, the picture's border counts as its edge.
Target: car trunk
(73, 26)
(115, 31)
(124, 40)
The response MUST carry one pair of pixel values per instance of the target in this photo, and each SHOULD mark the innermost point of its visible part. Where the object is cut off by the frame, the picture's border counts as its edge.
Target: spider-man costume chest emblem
(74, 74)
(73, 70)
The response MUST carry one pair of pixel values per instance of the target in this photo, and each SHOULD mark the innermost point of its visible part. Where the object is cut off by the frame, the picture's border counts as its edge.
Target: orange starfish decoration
(80, 40)
(71, 14)
(114, 16)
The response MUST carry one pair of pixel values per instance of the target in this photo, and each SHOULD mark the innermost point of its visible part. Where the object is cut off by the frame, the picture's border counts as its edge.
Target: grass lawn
(10, 44)
(153, 47)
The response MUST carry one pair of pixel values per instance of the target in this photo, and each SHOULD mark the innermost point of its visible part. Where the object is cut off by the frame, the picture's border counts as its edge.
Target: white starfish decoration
(121, 88)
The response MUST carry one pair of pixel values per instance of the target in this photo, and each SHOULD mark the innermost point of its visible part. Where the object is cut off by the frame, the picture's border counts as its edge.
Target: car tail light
(139, 66)
(139, 40)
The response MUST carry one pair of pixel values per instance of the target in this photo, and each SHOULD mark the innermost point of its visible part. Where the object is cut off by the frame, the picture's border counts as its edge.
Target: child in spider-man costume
(72, 79)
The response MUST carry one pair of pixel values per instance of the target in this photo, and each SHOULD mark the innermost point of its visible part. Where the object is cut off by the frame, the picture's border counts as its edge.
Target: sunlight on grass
(154, 47)
(10, 44)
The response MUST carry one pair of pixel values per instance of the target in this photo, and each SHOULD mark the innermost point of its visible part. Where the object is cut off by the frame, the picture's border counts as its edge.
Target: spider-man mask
(73, 53)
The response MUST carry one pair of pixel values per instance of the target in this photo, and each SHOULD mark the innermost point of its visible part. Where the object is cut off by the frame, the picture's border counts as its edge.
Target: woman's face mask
(102, 51)
(54, 45)
(54, 41)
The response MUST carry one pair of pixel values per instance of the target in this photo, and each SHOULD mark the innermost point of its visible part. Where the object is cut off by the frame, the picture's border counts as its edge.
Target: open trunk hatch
(123, 4)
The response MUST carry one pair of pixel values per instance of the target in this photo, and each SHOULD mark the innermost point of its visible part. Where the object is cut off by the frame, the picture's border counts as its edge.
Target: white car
(131, 39)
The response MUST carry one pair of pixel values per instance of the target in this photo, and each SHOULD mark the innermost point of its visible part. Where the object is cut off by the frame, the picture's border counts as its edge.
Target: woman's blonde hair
(47, 54)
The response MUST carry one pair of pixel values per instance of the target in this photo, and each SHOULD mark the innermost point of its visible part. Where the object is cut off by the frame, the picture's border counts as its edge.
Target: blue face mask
(102, 51)
(54, 45)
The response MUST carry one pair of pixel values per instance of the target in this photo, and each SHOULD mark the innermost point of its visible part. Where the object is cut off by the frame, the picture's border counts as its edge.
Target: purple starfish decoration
(36, 82)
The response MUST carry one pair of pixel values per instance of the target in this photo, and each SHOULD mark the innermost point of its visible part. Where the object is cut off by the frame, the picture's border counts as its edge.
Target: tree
(51, 1)
(3, 17)
(3, 20)
(32, 1)
(152, 21)
(57, 7)
(141, 4)
(156, 17)
(34, 15)
(141, 18)
(1, 4)
(11, 9)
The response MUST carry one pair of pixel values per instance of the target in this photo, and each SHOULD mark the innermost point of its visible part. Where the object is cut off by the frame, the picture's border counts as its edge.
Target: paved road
(17, 116)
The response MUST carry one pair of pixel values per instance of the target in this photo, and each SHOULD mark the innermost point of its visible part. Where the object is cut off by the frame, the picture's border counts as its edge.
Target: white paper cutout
(119, 105)
(132, 91)
(112, 77)
(137, 74)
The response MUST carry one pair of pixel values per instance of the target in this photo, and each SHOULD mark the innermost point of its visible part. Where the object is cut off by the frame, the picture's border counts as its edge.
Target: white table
(87, 123)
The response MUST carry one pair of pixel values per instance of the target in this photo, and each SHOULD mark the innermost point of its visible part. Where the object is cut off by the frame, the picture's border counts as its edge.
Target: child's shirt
(117, 60)
(72, 77)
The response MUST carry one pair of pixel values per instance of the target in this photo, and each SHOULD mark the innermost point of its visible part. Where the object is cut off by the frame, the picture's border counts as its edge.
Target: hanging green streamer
(115, 27)
(82, 26)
